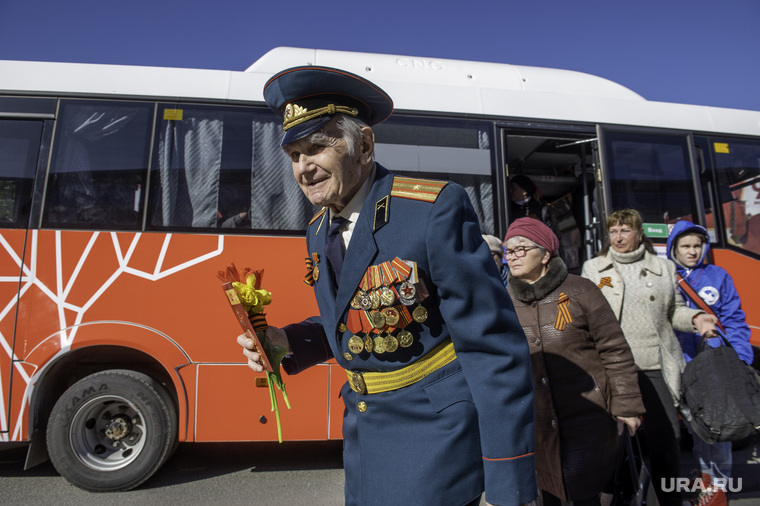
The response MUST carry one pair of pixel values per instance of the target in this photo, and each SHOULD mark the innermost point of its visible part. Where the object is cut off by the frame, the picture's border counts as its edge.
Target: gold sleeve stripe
(417, 189)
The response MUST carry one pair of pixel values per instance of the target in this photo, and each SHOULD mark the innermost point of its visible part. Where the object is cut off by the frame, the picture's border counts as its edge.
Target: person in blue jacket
(439, 398)
(687, 246)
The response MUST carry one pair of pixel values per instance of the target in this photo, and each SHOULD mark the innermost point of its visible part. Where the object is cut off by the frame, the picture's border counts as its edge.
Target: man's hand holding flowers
(274, 336)
(244, 292)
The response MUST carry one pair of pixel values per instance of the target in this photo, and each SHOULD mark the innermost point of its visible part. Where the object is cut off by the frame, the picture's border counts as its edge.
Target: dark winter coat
(584, 376)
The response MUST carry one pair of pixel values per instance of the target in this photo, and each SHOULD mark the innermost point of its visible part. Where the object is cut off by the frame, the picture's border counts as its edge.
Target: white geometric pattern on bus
(59, 293)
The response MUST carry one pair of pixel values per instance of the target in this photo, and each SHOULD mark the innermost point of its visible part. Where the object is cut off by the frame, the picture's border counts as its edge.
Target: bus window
(652, 174)
(737, 168)
(97, 175)
(458, 151)
(19, 147)
(223, 168)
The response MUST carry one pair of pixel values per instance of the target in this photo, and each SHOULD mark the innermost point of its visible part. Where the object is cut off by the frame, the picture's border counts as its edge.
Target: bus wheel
(112, 430)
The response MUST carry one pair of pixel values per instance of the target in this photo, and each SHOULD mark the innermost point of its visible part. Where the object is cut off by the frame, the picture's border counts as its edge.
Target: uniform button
(342, 328)
(537, 342)
(544, 381)
(348, 356)
(649, 284)
(644, 273)
(554, 424)
(362, 406)
(651, 297)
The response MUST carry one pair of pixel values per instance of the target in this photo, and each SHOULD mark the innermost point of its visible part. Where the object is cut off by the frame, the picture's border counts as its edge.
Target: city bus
(124, 190)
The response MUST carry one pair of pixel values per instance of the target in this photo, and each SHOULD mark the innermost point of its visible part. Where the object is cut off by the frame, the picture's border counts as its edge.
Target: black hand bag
(720, 394)
(632, 482)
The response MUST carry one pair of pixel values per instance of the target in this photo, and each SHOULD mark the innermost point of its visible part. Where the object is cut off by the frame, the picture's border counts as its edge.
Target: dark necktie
(334, 247)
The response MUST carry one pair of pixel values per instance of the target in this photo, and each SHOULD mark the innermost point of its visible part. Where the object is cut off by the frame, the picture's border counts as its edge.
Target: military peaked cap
(308, 97)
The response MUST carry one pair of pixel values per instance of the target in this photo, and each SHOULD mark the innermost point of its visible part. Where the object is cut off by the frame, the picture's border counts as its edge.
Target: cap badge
(295, 114)
(292, 110)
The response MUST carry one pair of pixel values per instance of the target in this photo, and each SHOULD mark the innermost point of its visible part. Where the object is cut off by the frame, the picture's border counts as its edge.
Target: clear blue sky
(704, 52)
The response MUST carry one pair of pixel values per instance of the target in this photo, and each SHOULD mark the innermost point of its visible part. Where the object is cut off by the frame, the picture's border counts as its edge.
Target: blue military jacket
(465, 427)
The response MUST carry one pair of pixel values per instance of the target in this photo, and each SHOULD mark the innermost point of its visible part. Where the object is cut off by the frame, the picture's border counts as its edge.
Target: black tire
(112, 430)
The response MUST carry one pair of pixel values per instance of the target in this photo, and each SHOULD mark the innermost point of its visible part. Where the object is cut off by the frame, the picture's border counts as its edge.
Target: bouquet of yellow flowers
(247, 299)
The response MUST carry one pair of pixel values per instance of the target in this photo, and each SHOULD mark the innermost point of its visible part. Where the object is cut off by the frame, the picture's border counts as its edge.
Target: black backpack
(720, 394)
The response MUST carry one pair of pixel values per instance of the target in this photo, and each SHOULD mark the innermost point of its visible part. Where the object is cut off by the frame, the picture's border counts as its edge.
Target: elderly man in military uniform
(439, 398)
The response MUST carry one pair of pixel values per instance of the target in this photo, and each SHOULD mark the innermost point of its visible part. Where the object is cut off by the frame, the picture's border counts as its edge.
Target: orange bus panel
(741, 267)
(156, 293)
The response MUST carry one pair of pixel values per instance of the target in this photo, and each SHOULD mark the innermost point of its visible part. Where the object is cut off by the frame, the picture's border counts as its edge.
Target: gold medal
(356, 344)
(377, 318)
(391, 316)
(355, 301)
(369, 344)
(387, 297)
(405, 339)
(419, 314)
(391, 344)
(379, 344)
(374, 295)
(315, 272)
(348, 356)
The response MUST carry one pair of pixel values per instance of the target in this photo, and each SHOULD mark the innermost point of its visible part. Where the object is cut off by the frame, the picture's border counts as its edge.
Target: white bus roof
(414, 83)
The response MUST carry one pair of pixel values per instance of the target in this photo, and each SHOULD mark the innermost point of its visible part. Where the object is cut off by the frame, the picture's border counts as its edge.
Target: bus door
(25, 132)
(560, 161)
(654, 172)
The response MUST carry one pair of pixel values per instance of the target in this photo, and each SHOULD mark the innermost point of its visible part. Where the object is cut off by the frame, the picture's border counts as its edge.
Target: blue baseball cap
(308, 97)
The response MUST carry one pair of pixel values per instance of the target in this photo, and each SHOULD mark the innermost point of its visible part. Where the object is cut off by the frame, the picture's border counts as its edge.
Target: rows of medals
(388, 299)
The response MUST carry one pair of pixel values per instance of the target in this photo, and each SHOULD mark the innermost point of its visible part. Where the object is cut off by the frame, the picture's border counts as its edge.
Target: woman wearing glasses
(642, 291)
(586, 391)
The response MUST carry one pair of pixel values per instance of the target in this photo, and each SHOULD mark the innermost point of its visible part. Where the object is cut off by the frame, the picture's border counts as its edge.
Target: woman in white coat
(641, 289)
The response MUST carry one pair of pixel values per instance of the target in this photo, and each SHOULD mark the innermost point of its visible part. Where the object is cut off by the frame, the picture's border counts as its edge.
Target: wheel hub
(118, 428)
(108, 433)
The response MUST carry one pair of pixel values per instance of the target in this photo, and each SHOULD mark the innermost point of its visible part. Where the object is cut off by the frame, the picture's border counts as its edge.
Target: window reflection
(223, 168)
(19, 148)
(652, 174)
(97, 177)
(737, 167)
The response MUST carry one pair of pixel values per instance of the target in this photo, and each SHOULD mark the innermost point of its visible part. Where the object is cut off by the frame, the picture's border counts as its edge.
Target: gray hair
(350, 129)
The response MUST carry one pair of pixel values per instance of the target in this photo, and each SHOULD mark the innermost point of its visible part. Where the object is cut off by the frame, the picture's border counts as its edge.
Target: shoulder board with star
(417, 189)
(316, 216)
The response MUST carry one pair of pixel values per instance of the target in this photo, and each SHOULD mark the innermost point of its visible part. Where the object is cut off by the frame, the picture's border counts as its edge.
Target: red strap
(696, 299)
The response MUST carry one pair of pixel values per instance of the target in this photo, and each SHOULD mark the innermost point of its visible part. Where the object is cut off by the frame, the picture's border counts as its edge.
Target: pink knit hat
(536, 231)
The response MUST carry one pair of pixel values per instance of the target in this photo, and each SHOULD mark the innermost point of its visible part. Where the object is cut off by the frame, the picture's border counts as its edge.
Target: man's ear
(367, 145)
